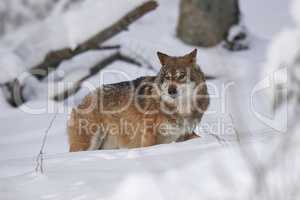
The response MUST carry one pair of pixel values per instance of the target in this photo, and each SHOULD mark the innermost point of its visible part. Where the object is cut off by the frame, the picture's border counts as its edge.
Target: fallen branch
(13, 92)
(54, 58)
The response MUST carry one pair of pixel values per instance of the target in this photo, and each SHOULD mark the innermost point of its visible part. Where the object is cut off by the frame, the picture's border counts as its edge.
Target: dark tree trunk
(206, 22)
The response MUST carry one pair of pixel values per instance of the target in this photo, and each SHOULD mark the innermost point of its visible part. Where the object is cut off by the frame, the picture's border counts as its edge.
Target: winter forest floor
(210, 167)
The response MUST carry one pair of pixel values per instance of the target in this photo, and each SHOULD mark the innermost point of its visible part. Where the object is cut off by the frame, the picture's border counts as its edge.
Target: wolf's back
(117, 95)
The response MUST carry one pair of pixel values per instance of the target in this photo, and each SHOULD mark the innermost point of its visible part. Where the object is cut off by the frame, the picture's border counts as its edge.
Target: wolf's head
(181, 82)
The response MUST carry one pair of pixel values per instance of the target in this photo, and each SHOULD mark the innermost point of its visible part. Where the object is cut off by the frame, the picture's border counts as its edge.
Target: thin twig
(218, 138)
(208, 77)
(40, 156)
(238, 138)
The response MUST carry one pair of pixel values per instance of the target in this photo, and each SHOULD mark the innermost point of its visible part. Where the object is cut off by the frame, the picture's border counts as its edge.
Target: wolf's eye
(181, 76)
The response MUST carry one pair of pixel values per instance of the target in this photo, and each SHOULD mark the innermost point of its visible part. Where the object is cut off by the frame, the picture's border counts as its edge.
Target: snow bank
(198, 169)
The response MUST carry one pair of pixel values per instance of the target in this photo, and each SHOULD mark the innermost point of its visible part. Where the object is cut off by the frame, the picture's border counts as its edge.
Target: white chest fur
(171, 132)
(184, 101)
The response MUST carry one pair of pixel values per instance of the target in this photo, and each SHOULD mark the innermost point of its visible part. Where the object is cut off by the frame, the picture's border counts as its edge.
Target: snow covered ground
(212, 167)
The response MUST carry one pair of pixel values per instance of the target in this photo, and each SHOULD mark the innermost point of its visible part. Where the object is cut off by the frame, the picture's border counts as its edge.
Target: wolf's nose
(172, 91)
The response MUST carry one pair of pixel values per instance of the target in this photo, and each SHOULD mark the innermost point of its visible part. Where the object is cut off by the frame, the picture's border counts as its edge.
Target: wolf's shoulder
(133, 84)
(117, 94)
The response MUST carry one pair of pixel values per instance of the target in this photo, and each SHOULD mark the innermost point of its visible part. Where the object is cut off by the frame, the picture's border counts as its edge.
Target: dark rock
(206, 22)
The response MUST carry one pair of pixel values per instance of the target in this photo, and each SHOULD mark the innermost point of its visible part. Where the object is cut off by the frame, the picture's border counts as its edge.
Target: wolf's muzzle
(172, 90)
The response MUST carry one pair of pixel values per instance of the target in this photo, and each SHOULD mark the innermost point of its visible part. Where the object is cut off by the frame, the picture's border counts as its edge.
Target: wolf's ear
(192, 56)
(162, 58)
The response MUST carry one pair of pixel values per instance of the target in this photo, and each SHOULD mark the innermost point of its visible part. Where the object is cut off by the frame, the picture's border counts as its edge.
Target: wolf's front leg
(148, 139)
(192, 136)
(188, 136)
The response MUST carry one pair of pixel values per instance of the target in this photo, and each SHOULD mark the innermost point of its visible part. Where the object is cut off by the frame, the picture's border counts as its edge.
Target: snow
(237, 132)
(3, 103)
(172, 171)
(87, 18)
(295, 11)
(234, 31)
(282, 63)
(11, 66)
(261, 19)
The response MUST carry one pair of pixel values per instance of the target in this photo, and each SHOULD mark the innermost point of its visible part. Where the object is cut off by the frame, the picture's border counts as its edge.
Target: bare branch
(93, 71)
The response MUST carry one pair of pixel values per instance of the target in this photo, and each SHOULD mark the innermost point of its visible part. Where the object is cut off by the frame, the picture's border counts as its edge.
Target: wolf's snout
(172, 90)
